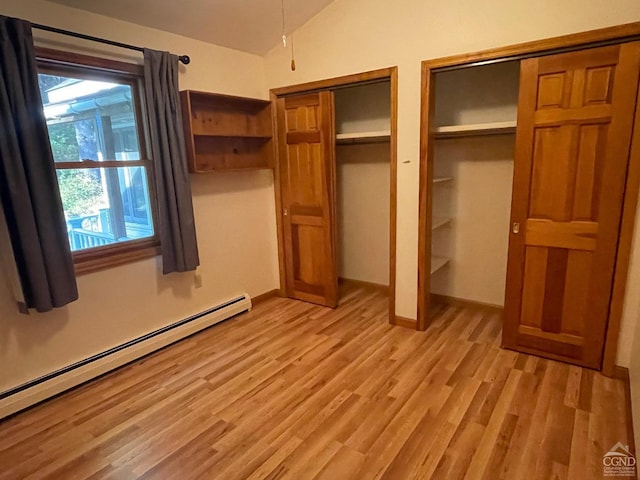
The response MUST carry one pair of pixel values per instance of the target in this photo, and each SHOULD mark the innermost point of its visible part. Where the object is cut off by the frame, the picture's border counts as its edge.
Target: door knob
(515, 228)
(286, 212)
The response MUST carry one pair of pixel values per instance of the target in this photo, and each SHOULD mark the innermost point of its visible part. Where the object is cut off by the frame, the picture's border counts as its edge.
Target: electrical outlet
(197, 279)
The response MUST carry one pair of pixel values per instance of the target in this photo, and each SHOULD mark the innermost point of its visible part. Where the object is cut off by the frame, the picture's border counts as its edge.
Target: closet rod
(182, 58)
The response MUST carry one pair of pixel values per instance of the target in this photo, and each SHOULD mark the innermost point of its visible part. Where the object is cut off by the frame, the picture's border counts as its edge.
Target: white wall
(363, 184)
(478, 201)
(235, 221)
(351, 36)
(631, 311)
(363, 108)
(363, 175)
(634, 377)
(483, 94)
(629, 344)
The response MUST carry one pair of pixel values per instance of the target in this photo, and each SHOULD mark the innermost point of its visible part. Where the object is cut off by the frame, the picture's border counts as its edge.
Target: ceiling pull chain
(284, 34)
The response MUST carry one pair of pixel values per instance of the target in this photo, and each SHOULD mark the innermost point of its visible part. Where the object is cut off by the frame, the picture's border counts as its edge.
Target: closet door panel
(535, 272)
(574, 130)
(307, 188)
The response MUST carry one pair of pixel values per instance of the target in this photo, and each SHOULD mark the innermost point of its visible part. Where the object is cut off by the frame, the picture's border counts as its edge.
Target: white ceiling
(253, 26)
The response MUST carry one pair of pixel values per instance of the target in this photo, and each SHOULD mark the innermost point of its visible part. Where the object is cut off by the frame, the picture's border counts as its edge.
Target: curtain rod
(182, 58)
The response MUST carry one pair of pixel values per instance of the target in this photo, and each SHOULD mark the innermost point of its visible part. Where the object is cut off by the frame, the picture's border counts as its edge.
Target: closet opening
(474, 144)
(336, 187)
(518, 223)
(363, 185)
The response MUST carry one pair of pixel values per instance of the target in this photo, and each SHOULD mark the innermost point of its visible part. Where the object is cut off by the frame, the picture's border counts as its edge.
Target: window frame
(56, 62)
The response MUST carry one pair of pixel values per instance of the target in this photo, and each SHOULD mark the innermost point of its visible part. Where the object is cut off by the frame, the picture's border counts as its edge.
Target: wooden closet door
(575, 118)
(307, 168)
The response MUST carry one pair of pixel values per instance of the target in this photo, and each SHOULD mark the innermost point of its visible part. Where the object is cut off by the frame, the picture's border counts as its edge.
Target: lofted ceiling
(253, 26)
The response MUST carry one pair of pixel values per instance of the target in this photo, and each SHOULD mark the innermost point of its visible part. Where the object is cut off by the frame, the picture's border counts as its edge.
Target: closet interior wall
(475, 117)
(362, 114)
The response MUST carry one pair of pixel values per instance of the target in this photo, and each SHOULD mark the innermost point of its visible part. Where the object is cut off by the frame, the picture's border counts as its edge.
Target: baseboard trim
(462, 302)
(404, 322)
(265, 296)
(58, 381)
(622, 373)
(362, 283)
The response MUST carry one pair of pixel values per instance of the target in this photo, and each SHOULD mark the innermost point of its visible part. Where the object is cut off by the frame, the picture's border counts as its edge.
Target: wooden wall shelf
(442, 179)
(438, 222)
(363, 137)
(476, 129)
(224, 132)
(437, 263)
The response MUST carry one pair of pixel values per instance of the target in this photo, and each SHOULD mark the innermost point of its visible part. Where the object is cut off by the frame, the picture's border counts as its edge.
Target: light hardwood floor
(292, 390)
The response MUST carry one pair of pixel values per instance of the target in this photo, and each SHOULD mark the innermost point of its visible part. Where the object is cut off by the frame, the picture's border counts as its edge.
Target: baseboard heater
(39, 389)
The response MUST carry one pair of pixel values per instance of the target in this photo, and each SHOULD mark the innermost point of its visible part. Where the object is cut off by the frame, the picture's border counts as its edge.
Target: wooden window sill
(112, 256)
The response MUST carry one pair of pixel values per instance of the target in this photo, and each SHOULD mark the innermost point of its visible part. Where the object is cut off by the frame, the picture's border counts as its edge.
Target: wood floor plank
(274, 466)
(343, 465)
(490, 440)
(299, 391)
(579, 446)
(438, 435)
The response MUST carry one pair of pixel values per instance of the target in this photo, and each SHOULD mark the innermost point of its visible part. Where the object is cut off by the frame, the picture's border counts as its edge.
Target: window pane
(89, 119)
(105, 205)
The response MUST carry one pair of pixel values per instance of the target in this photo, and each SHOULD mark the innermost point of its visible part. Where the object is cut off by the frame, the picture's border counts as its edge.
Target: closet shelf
(437, 263)
(475, 129)
(437, 222)
(442, 179)
(363, 137)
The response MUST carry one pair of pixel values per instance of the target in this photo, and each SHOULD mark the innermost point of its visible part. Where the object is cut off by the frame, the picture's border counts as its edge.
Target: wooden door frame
(391, 74)
(616, 34)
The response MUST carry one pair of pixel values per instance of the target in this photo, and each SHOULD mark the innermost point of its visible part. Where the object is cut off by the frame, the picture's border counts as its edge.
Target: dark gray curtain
(176, 223)
(28, 183)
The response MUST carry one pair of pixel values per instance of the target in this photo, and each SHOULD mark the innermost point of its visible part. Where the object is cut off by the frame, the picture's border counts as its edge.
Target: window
(93, 110)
